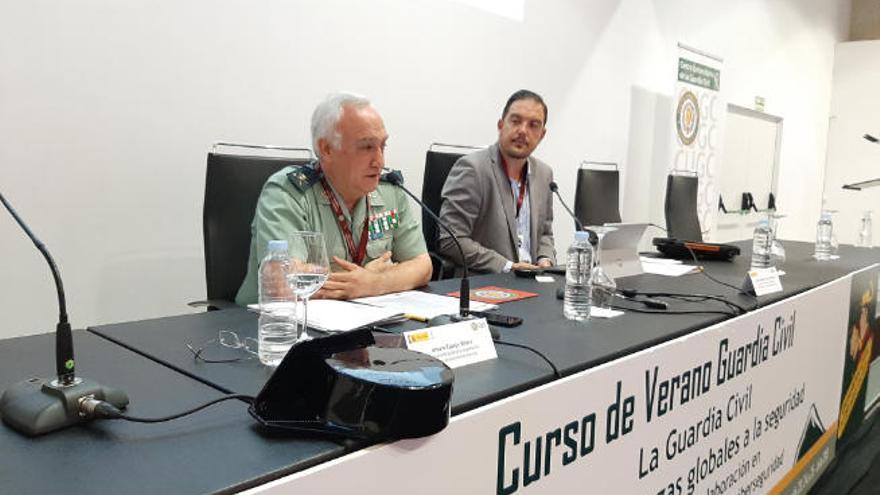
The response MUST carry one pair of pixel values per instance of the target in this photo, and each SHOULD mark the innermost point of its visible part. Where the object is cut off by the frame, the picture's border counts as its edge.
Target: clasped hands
(356, 281)
(522, 265)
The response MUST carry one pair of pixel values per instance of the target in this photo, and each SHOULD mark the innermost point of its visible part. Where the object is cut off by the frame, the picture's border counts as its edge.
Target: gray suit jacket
(479, 207)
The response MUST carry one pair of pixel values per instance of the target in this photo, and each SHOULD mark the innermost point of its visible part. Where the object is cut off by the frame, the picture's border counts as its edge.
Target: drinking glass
(865, 237)
(603, 284)
(309, 269)
(835, 245)
(777, 250)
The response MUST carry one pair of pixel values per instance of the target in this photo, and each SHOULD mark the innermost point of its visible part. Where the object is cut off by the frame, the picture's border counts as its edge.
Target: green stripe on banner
(698, 74)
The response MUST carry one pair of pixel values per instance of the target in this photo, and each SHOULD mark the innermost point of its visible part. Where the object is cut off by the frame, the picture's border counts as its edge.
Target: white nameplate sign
(597, 312)
(456, 344)
(763, 281)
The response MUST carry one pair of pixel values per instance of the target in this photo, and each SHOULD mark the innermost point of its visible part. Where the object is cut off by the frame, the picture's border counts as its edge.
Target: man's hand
(381, 263)
(356, 281)
(376, 278)
(545, 263)
(522, 265)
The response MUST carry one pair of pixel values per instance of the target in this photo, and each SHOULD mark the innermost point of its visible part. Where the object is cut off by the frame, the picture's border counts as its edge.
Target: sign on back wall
(697, 127)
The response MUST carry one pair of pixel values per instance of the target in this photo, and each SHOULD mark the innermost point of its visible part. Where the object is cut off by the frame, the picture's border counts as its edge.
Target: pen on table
(413, 317)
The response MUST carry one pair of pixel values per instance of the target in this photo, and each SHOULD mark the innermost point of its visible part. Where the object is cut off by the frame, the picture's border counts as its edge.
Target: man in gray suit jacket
(497, 201)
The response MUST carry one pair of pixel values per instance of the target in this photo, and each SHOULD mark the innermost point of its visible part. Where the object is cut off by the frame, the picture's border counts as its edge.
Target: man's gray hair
(327, 115)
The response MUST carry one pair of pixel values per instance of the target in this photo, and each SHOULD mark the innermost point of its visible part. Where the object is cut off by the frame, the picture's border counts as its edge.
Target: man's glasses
(224, 348)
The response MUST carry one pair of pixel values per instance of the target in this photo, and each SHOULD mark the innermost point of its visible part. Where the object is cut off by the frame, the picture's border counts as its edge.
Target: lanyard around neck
(357, 254)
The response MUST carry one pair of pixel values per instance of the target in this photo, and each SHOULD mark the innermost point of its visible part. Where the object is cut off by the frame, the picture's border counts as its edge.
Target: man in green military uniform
(373, 240)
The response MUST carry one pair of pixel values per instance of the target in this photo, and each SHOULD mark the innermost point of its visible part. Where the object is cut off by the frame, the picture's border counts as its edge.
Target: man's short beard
(517, 155)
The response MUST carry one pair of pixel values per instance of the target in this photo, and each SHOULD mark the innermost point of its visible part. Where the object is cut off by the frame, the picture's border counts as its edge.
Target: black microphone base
(38, 406)
(447, 319)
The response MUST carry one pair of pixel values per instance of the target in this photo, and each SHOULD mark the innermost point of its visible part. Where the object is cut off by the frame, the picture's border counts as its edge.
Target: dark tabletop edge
(160, 361)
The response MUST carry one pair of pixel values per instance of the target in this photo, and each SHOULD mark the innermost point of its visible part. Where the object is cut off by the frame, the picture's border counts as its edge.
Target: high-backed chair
(597, 195)
(232, 185)
(680, 207)
(437, 166)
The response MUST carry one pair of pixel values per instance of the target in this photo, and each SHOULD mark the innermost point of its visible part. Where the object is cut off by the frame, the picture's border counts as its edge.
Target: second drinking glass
(604, 286)
(309, 269)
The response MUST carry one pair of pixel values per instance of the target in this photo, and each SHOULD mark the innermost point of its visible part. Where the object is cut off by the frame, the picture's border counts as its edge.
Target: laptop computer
(619, 250)
(619, 255)
(678, 249)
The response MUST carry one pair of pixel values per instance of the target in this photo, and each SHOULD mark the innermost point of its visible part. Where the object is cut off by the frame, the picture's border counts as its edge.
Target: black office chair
(597, 195)
(233, 183)
(437, 167)
(682, 221)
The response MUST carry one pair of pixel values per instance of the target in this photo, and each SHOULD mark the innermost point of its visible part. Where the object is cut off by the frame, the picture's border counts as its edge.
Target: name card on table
(763, 281)
(456, 344)
(597, 312)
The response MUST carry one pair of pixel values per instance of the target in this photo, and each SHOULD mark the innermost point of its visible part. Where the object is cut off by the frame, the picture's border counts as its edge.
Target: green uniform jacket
(292, 201)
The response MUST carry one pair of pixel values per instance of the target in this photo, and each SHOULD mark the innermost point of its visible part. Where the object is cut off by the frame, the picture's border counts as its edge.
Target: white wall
(107, 110)
(855, 111)
(749, 165)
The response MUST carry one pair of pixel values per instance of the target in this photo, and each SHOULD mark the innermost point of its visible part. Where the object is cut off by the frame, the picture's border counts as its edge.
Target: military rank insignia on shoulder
(383, 222)
(305, 176)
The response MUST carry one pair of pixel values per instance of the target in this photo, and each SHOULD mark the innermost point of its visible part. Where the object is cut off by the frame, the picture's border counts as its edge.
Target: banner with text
(698, 114)
(748, 406)
(860, 369)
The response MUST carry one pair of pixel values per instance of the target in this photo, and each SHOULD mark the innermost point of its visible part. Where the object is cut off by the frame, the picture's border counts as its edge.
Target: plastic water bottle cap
(582, 236)
(826, 215)
(763, 222)
(277, 245)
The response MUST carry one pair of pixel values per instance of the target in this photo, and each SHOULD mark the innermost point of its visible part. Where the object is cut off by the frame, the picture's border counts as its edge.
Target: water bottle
(824, 232)
(865, 239)
(277, 324)
(576, 305)
(761, 244)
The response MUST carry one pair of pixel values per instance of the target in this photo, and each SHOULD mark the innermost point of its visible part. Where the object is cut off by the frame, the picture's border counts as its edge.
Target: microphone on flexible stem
(871, 138)
(594, 239)
(37, 406)
(395, 177)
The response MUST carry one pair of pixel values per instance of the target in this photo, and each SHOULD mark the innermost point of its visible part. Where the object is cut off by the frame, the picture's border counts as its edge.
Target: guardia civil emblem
(493, 293)
(687, 118)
